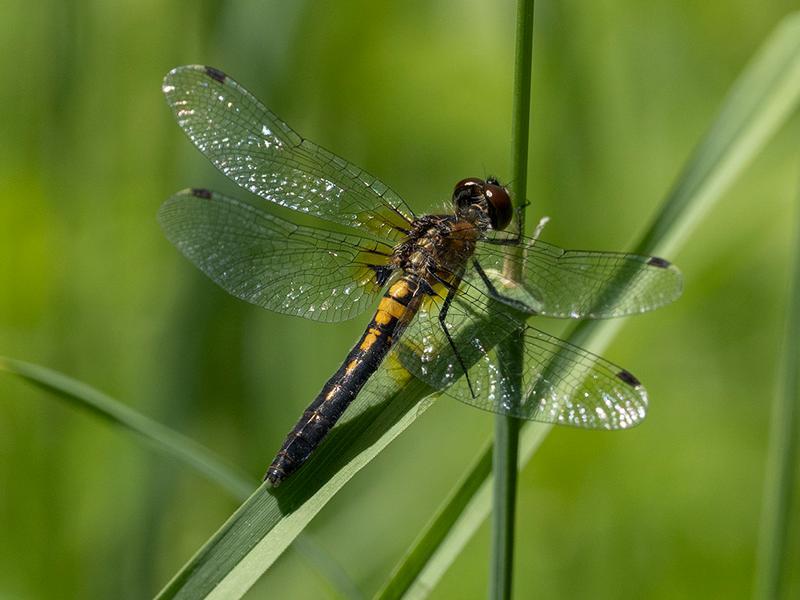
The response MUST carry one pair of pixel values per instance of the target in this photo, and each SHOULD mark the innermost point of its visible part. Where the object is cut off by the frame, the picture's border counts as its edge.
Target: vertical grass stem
(510, 352)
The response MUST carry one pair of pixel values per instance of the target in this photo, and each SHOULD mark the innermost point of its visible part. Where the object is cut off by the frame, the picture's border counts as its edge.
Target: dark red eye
(467, 190)
(499, 203)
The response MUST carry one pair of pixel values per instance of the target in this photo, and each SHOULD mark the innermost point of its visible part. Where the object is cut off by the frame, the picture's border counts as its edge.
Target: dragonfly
(445, 300)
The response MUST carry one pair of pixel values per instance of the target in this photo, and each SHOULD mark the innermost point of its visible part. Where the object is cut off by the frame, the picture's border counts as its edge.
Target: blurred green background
(418, 93)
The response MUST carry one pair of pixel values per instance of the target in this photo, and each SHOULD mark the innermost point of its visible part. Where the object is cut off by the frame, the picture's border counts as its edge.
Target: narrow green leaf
(456, 522)
(780, 481)
(163, 438)
(759, 103)
(174, 445)
(261, 529)
(327, 567)
(436, 531)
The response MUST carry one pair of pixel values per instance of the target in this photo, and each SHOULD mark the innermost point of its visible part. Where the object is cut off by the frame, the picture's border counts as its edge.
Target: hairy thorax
(437, 247)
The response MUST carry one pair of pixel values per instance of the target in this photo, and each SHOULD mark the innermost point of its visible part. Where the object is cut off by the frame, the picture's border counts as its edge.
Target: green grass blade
(456, 522)
(329, 570)
(435, 532)
(506, 428)
(174, 445)
(761, 100)
(436, 548)
(261, 529)
(159, 436)
(780, 481)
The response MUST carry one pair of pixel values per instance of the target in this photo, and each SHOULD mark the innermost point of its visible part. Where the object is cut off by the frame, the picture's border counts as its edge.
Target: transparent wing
(561, 383)
(258, 257)
(261, 153)
(579, 284)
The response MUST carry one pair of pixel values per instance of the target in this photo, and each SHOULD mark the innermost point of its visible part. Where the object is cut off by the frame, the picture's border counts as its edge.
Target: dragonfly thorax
(437, 244)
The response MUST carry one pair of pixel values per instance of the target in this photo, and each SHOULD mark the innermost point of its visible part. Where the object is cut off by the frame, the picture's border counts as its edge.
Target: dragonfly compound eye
(499, 204)
(467, 191)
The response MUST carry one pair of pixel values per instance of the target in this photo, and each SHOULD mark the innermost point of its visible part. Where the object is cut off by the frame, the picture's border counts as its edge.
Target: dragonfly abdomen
(396, 309)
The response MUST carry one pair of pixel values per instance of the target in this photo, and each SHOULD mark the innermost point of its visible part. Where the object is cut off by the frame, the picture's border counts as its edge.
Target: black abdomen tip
(216, 74)
(275, 476)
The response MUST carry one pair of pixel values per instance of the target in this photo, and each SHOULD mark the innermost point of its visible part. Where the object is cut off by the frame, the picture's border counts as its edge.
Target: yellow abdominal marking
(368, 341)
(351, 366)
(391, 306)
(333, 392)
(399, 289)
(383, 318)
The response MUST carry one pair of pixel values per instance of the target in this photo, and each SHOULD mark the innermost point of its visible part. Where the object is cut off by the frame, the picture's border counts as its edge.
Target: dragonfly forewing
(261, 153)
(579, 284)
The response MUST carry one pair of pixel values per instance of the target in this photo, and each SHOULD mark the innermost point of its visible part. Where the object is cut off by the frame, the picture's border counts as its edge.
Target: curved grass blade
(175, 445)
(330, 571)
(454, 524)
(261, 529)
(760, 101)
(780, 482)
(164, 439)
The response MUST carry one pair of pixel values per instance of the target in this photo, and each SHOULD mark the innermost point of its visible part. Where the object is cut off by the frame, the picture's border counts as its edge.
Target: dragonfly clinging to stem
(443, 302)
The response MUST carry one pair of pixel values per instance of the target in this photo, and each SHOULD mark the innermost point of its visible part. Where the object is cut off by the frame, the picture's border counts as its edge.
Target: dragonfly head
(483, 202)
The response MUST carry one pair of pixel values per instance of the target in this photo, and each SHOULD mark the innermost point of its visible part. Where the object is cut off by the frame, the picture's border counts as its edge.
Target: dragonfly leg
(503, 241)
(513, 241)
(452, 288)
(513, 302)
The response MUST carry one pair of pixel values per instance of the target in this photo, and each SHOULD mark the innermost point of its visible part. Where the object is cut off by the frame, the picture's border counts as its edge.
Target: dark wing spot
(201, 193)
(216, 74)
(628, 378)
(382, 273)
(658, 262)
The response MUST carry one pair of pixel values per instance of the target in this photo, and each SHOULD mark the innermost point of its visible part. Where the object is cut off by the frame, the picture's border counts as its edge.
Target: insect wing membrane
(261, 153)
(263, 259)
(587, 285)
(561, 383)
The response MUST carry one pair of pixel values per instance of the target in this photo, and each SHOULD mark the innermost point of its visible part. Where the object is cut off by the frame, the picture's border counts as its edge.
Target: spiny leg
(452, 288)
(513, 241)
(493, 293)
